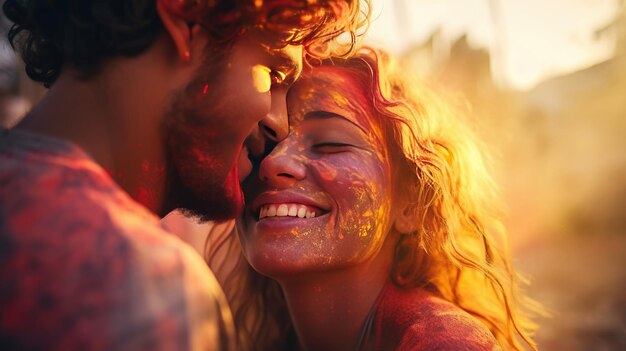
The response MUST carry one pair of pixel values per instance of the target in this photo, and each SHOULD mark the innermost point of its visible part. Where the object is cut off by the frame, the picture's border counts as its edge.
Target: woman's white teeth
(302, 212)
(271, 211)
(286, 210)
(293, 211)
(282, 211)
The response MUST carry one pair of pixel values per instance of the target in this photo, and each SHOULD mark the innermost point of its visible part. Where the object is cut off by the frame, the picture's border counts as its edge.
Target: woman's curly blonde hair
(460, 248)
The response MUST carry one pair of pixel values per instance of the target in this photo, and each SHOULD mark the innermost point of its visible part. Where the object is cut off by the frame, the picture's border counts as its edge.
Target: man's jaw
(214, 201)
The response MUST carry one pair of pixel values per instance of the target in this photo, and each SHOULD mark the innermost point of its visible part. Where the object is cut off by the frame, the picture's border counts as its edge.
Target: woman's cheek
(361, 200)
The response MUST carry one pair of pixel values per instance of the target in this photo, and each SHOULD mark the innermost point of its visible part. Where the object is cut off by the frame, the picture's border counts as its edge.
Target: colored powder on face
(298, 232)
(205, 89)
(339, 99)
(202, 158)
(231, 185)
(143, 196)
(325, 171)
(364, 229)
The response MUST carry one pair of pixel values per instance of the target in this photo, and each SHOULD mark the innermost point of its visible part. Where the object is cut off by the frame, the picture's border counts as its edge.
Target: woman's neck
(329, 309)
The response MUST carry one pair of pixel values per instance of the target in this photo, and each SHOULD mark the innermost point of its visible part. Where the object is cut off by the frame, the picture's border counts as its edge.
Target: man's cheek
(232, 189)
(244, 164)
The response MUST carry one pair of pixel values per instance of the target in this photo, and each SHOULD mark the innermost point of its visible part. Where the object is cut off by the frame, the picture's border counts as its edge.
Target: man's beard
(203, 188)
(216, 202)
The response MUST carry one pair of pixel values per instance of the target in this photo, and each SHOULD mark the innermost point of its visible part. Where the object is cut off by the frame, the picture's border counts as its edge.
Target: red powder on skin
(151, 178)
(231, 184)
(144, 197)
(205, 89)
(202, 157)
(152, 171)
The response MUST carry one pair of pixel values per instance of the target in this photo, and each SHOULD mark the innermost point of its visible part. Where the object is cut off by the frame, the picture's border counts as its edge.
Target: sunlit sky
(530, 40)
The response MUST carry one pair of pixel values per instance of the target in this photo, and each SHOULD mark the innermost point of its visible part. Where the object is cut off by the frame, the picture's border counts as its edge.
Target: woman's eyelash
(330, 145)
(331, 148)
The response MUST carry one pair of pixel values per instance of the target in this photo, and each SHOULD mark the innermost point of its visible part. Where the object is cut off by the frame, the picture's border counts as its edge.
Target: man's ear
(177, 27)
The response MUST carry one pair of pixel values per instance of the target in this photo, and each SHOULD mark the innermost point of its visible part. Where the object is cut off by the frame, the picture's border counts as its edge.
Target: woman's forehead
(340, 78)
(332, 89)
(340, 91)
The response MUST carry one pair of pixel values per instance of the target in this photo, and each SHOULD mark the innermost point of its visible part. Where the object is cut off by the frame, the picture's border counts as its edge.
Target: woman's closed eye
(331, 147)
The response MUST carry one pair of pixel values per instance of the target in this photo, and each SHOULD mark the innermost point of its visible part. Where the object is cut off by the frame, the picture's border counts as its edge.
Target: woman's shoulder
(415, 319)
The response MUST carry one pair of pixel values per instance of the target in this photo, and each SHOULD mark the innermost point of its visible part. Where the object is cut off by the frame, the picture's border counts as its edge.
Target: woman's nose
(283, 167)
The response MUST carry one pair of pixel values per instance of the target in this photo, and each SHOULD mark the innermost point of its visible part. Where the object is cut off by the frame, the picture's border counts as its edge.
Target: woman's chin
(277, 263)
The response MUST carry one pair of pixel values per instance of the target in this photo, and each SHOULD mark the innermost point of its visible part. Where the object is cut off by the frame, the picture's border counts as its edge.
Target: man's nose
(275, 125)
(283, 167)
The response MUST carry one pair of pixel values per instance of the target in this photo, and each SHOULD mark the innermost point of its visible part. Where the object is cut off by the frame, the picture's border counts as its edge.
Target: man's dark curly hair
(53, 34)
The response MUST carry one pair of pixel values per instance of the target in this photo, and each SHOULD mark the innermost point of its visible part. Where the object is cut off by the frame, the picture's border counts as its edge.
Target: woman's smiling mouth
(288, 210)
(287, 204)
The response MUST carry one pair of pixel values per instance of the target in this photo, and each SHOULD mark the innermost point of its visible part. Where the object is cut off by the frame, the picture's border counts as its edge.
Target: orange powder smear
(296, 232)
(339, 99)
(325, 171)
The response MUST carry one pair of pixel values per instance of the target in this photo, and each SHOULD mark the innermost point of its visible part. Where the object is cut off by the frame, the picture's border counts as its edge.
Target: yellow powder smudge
(364, 229)
(339, 99)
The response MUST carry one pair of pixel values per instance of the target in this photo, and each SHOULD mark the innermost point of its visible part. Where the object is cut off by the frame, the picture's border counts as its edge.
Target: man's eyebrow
(282, 62)
(320, 114)
(287, 66)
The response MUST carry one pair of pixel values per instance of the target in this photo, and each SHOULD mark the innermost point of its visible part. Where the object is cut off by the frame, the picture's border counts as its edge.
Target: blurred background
(547, 81)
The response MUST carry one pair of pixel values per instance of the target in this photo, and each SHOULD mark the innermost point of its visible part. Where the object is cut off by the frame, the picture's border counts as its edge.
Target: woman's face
(322, 199)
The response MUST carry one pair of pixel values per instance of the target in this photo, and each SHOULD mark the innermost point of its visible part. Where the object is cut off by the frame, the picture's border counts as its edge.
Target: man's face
(236, 98)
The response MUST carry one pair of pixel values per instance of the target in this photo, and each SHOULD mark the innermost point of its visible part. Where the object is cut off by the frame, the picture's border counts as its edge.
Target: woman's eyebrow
(320, 114)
